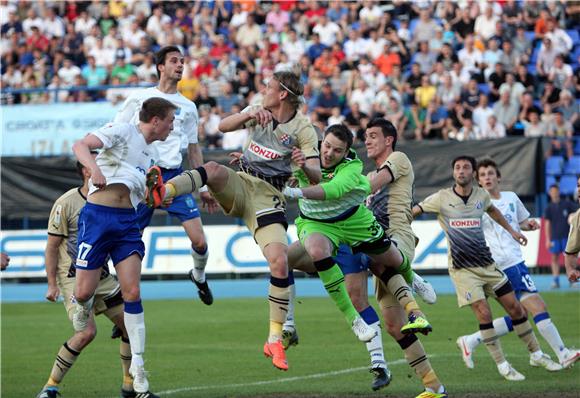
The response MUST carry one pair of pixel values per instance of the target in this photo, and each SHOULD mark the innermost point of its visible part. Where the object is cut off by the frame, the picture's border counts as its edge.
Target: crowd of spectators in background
(460, 70)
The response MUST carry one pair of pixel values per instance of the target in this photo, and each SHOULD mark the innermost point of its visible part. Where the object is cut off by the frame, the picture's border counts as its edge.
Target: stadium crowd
(437, 69)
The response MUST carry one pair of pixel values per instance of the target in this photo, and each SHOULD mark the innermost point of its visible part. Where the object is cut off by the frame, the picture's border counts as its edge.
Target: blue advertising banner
(50, 130)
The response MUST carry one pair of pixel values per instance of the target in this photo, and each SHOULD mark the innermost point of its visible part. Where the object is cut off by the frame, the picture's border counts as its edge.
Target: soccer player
(475, 275)
(169, 64)
(108, 224)
(573, 245)
(281, 137)
(61, 249)
(557, 228)
(393, 185)
(332, 213)
(508, 256)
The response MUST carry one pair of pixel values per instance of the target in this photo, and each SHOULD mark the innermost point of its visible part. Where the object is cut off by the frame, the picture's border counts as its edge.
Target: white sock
(502, 327)
(289, 323)
(375, 348)
(135, 324)
(199, 263)
(550, 333)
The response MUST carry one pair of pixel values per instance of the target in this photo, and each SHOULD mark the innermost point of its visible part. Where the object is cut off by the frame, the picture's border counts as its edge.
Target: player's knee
(212, 169)
(278, 265)
(85, 337)
(317, 253)
(82, 295)
(132, 293)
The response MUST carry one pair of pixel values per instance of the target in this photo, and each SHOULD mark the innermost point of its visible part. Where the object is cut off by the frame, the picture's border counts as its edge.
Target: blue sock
(508, 322)
(369, 315)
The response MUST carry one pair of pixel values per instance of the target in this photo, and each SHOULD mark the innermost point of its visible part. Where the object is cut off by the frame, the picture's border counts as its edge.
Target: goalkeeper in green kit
(333, 213)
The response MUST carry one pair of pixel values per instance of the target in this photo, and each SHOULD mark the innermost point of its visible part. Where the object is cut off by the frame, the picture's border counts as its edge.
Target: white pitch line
(275, 381)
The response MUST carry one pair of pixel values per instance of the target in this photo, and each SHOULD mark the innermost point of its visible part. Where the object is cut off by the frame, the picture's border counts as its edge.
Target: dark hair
(387, 128)
(155, 106)
(290, 82)
(488, 163)
(161, 54)
(554, 186)
(470, 159)
(80, 166)
(341, 132)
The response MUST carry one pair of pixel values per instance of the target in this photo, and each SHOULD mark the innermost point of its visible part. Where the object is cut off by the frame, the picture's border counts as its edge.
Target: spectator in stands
(425, 28)
(522, 45)
(561, 132)
(546, 58)
(482, 112)
(509, 58)
(249, 33)
(356, 119)
(469, 131)
(551, 95)
(515, 88)
(485, 23)
(336, 117)
(208, 127)
(32, 19)
(541, 25)
(122, 70)
(37, 40)
(326, 63)
(526, 78)
(93, 74)
(52, 24)
(425, 58)
(363, 95)
(534, 127)
(570, 109)
(560, 40)
(104, 57)
(68, 72)
(435, 121)
(491, 57)
(506, 112)
(227, 100)
(561, 74)
(527, 105)
(447, 57)
(493, 129)
(471, 57)
(495, 81)
(449, 92)
(470, 96)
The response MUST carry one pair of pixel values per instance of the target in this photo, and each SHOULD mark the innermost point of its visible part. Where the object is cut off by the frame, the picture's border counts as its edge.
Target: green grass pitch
(199, 351)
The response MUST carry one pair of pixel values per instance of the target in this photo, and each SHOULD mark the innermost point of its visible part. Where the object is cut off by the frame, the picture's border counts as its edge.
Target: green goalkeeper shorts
(361, 232)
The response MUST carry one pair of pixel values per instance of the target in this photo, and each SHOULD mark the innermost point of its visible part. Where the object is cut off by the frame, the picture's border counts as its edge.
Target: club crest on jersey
(177, 111)
(285, 139)
(468, 296)
(478, 204)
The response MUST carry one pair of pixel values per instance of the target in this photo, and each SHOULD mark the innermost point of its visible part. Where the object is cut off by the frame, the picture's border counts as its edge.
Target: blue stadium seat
(568, 184)
(484, 88)
(574, 35)
(413, 24)
(550, 180)
(554, 165)
(572, 166)
(530, 35)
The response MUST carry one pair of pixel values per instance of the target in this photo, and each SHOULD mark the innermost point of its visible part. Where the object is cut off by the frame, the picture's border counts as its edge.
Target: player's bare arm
(380, 179)
(51, 262)
(417, 211)
(238, 120)
(82, 150)
(496, 216)
(571, 265)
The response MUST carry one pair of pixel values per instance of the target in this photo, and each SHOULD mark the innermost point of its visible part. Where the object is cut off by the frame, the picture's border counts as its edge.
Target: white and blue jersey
(506, 252)
(103, 231)
(125, 158)
(184, 133)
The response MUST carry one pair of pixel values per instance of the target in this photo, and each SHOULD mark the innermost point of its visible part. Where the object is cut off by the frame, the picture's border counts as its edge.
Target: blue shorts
(351, 263)
(520, 279)
(105, 231)
(183, 206)
(558, 246)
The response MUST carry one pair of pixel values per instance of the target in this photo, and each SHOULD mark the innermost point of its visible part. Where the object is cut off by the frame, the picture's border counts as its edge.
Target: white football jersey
(124, 158)
(184, 127)
(504, 249)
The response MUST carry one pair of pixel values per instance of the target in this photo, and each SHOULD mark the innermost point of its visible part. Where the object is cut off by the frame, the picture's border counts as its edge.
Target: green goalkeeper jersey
(345, 189)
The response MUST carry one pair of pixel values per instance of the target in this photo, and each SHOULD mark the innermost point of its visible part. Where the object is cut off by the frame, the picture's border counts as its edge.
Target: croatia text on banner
(50, 130)
(231, 250)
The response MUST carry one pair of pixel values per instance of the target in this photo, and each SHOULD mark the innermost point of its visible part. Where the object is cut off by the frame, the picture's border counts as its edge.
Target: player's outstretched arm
(380, 179)
(496, 215)
(417, 211)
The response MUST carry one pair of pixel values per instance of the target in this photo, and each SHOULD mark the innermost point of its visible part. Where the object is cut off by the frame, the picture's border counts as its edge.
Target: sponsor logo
(465, 223)
(263, 152)
(81, 263)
